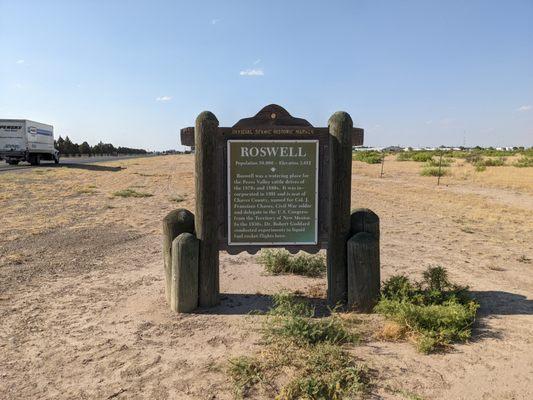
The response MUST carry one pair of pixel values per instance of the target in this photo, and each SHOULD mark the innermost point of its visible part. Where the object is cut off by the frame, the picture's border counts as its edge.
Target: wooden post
(175, 223)
(363, 271)
(364, 220)
(340, 185)
(206, 221)
(363, 260)
(184, 274)
(440, 168)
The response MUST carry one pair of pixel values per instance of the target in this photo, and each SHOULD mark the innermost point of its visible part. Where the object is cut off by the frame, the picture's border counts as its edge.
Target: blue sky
(134, 72)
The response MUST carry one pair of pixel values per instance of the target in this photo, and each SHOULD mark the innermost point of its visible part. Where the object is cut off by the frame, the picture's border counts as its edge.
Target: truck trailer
(25, 140)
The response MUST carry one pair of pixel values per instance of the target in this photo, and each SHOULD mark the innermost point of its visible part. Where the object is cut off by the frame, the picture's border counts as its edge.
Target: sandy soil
(82, 305)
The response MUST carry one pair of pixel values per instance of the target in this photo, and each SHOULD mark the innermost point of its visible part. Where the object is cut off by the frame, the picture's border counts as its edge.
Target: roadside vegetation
(279, 262)
(369, 157)
(524, 162)
(434, 171)
(304, 358)
(434, 312)
(67, 147)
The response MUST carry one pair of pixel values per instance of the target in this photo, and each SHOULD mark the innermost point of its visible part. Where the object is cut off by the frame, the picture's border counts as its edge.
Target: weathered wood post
(364, 220)
(184, 273)
(206, 221)
(363, 260)
(340, 180)
(175, 223)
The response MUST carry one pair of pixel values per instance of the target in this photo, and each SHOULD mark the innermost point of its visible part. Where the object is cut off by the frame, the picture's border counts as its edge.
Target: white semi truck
(24, 140)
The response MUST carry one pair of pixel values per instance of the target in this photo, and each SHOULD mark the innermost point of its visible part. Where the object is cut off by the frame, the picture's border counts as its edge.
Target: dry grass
(88, 195)
(391, 331)
(460, 173)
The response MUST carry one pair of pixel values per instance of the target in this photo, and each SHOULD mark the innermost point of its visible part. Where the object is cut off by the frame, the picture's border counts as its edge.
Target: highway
(70, 162)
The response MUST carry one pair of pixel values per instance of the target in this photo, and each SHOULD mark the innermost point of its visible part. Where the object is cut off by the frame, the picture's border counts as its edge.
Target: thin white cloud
(21, 61)
(257, 61)
(163, 99)
(252, 72)
(525, 108)
(215, 21)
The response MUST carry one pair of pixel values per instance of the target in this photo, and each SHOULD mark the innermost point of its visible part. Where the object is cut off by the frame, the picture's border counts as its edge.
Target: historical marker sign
(272, 192)
(251, 206)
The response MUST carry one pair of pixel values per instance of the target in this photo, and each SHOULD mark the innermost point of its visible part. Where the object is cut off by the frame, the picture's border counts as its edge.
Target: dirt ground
(82, 307)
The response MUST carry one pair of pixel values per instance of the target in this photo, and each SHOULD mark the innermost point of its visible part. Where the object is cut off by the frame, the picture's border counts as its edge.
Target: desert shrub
(435, 310)
(480, 168)
(282, 262)
(524, 162)
(245, 372)
(293, 319)
(526, 152)
(398, 287)
(422, 156)
(131, 193)
(404, 156)
(490, 162)
(328, 372)
(369, 157)
(434, 162)
(306, 349)
(473, 158)
(434, 171)
(497, 153)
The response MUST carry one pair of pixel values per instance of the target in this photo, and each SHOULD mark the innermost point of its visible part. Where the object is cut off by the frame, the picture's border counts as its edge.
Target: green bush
(422, 156)
(434, 162)
(293, 320)
(404, 156)
(490, 162)
(369, 157)
(524, 162)
(307, 349)
(435, 310)
(434, 171)
(327, 372)
(282, 262)
(497, 153)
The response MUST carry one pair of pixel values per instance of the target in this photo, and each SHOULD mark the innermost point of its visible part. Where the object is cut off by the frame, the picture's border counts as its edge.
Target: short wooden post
(340, 178)
(364, 220)
(363, 260)
(207, 198)
(184, 274)
(363, 272)
(175, 223)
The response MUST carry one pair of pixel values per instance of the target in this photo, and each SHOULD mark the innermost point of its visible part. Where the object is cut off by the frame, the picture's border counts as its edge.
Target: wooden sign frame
(334, 189)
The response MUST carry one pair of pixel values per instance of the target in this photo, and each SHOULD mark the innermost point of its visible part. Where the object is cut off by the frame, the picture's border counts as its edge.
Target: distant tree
(69, 146)
(98, 148)
(85, 148)
(66, 146)
(60, 145)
